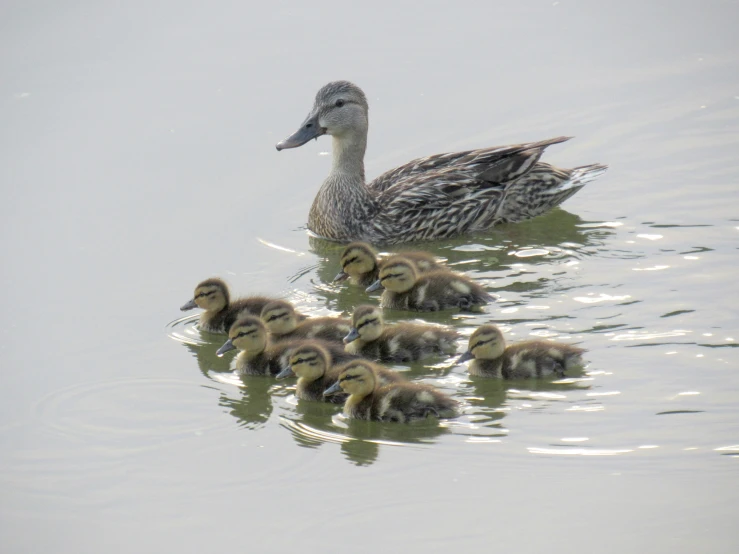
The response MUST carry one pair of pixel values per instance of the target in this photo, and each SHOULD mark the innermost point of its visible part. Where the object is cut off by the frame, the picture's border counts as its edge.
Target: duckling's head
(279, 317)
(366, 324)
(340, 110)
(397, 274)
(357, 259)
(486, 343)
(357, 378)
(211, 295)
(249, 334)
(310, 361)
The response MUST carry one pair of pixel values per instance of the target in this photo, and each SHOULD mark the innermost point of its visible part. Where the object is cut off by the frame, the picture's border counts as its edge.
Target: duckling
(401, 342)
(359, 263)
(313, 364)
(528, 359)
(281, 320)
(260, 356)
(437, 290)
(213, 296)
(400, 402)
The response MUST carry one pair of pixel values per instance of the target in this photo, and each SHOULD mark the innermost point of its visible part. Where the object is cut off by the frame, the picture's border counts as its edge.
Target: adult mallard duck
(213, 296)
(400, 402)
(359, 263)
(406, 289)
(528, 359)
(429, 198)
(400, 342)
(282, 321)
(314, 366)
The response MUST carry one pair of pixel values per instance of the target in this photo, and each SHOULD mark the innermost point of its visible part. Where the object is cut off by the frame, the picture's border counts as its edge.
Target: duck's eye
(339, 103)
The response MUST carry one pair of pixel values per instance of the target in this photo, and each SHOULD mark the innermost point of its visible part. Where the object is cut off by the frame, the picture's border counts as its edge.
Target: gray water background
(137, 158)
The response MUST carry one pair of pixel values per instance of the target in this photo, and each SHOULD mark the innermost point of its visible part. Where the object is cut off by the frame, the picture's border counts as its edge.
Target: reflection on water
(557, 277)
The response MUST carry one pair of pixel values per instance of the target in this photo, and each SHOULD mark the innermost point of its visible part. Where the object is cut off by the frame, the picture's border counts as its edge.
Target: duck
(435, 197)
(314, 366)
(400, 342)
(399, 402)
(524, 360)
(407, 289)
(359, 263)
(282, 322)
(213, 296)
(259, 355)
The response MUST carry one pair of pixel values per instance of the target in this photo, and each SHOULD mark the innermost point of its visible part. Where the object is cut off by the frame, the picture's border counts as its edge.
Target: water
(137, 149)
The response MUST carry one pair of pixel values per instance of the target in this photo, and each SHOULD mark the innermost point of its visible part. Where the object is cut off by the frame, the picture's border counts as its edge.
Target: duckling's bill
(377, 285)
(465, 357)
(333, 389)
(285, 373)
(352, 336)
(189, 305)
(228, 345)
(341, 276)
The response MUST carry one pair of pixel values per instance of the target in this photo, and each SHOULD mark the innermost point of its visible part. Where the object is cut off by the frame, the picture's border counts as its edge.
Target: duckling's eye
(339, 103)
(275, 316)
(245, 333)
(350, 261)
(481, 342)
(366, 322)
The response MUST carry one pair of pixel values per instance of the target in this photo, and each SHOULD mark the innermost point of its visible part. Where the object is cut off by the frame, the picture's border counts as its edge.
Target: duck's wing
(435, 205)
(497, 164)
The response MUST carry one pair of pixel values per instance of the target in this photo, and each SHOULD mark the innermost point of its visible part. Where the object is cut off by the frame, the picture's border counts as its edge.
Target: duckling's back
(403, 402)
(439, 290)
(332, 329)
(539, 358)
(409, 342)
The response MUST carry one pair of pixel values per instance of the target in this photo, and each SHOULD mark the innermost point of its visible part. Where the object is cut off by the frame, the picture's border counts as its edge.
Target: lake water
(137, 154)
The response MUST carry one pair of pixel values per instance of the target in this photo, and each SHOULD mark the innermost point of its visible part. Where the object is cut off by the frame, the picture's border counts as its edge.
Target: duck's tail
(579, 177)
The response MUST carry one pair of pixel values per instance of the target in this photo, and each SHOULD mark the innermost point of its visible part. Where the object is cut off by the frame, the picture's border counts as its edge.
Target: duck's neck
(344, 204)
(348, 157)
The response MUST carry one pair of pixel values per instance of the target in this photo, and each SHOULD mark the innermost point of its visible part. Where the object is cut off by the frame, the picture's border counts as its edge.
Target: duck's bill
(465, 357)
(228, 345)
(285, 373)
(341, 276)
(352, 336)
(333, 389)
(310, 129)
(377, 285)
(189, 306)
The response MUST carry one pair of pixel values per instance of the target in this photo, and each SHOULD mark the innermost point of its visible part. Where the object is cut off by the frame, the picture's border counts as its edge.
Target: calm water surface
(137, 156)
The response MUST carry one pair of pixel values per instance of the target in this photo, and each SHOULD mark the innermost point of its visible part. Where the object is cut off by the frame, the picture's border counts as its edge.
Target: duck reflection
(208, 362)
(254, 405)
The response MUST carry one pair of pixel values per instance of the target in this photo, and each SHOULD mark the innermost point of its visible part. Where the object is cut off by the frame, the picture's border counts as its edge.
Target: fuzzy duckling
(260, 356)
(282, 321)
(401, 342)
(406, 289)
(528, 359)
(400, 402)
(313, 364)
(213, 296)
(359, 263)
